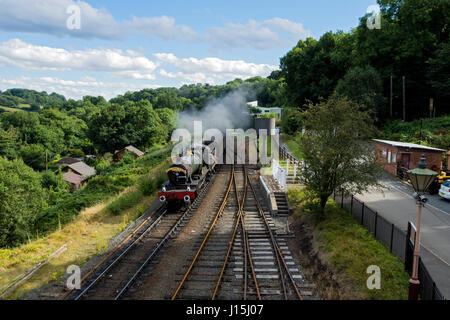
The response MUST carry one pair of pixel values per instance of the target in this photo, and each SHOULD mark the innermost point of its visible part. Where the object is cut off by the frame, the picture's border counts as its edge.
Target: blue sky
(121, 46)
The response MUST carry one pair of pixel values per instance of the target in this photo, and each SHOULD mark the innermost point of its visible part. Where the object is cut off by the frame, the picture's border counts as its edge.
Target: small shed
(396, 155)
(76, 181)
(119, 153)
(81, 169)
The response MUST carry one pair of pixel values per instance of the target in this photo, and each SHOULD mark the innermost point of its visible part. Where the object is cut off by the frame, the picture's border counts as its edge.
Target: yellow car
(443, 176)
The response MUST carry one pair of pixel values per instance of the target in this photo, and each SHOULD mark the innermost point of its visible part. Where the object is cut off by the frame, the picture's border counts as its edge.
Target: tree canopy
(335, 148)
(21, 199)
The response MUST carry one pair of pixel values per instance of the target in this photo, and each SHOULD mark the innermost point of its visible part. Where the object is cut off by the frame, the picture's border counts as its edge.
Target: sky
(101, 47)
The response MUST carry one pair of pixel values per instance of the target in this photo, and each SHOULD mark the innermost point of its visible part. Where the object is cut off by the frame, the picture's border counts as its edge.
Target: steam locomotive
(188, 175)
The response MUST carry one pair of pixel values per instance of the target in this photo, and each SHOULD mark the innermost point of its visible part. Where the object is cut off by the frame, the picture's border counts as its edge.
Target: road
(396, 204)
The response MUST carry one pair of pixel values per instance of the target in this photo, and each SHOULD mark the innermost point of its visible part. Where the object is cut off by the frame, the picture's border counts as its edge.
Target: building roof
(407, 145)
(73, 178)
(67, 160)
(83, 169)
(135, 150)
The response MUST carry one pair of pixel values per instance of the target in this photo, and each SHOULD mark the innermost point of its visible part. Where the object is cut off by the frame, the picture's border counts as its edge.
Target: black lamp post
(421, 178)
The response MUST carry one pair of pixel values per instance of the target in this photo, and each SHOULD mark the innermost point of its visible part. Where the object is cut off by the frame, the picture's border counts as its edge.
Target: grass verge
(349, 249)
(292, 144)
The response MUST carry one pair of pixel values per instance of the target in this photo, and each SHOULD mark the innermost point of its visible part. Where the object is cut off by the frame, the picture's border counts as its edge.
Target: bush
(22, 198)
(147, 185)
(102, 165)
(76, 153)
(124, 202)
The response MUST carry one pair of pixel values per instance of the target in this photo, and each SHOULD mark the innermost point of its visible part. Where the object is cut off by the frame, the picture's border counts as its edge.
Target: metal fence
(279, 174)
(399, 242)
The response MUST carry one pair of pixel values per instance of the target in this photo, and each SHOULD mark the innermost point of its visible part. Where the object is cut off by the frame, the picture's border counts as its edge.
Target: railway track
(116, 274)
(239, 257)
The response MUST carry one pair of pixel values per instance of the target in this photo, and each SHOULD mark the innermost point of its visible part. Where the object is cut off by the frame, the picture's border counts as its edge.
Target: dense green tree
(411, 34)
(169, 100)
(22, 198)
(9, 143)
(168, 119)
(117, 126)
(16, 97)
(34, 155)
(313, 68)
(364, 86)
(291, 123)
(438, 74)
(55, 186)
(336, 156)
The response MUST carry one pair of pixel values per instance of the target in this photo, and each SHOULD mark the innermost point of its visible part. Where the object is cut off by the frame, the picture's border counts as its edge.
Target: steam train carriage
(188, 175)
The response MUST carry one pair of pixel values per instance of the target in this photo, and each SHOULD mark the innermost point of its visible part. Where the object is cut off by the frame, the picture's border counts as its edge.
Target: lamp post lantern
(420, 178)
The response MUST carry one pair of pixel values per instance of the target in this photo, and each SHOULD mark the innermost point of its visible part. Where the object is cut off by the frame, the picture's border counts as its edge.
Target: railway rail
(256, 264)
(116, 274)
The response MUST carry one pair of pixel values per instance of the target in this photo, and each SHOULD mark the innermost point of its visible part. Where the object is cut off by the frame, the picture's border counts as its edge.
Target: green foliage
(168, 120)
(431, 132)
(55, 187)
(350, 248)
(335, 155)
(33, 155)
(313, 68)
(438, 66)
(412, 32)
(50, 130)
(169, 100)
(16, 98)
(116, 126)
(124, 202)
(291, 122)
(413, 42)
(114, 179)
(292, 142)
(364, 86)
(9, 143)
(268, 115)
(22, 198)
(148, 185)
(128, 158)
(102, 165)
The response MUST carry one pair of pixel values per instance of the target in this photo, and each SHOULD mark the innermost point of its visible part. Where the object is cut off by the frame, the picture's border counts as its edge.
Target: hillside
(29, 100)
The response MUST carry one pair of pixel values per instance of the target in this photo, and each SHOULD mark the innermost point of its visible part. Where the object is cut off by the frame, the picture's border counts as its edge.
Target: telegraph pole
(404, 100)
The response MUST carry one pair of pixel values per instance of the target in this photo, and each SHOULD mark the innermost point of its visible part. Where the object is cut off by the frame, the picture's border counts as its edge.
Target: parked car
(444, 191)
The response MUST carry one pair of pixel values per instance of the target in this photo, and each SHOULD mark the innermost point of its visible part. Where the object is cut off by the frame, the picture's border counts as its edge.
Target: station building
(395, 154)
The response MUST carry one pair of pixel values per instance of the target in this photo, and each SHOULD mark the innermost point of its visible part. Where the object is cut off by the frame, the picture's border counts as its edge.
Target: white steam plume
(228, 112)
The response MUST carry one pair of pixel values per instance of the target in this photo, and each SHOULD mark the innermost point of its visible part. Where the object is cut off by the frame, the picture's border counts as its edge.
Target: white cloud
(128, 64)
(50, 17)
(162, 27)
(296, 29)
(259, 35)
(74, 89)
(212, 69)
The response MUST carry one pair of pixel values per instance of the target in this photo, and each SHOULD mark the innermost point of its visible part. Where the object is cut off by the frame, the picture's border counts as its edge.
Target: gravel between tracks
(160, 283)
